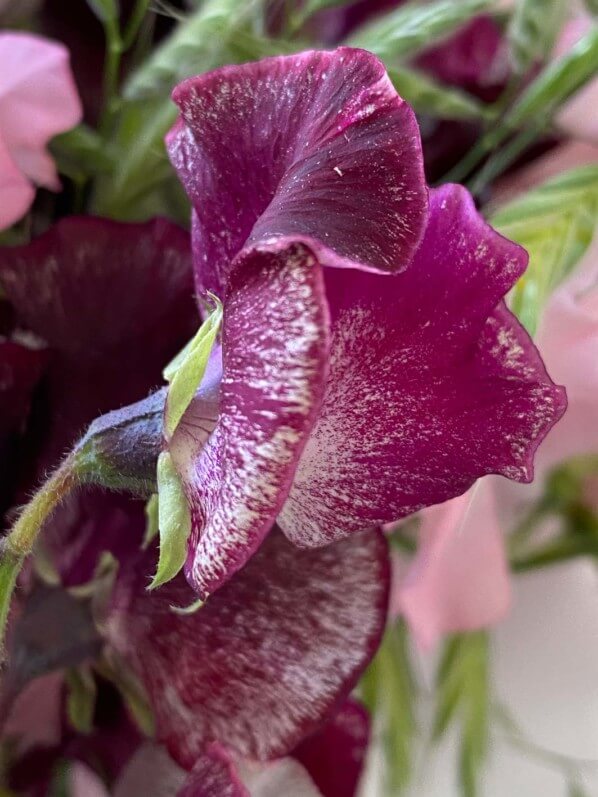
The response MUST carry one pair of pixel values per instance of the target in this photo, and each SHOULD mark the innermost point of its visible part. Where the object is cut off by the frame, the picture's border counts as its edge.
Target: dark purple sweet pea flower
(268, 659)
(114, 303)
(348, 398)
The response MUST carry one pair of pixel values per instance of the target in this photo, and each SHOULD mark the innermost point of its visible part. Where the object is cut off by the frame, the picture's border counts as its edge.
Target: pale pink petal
(568, 339)
(283, 777)
(85, 783)
(38, 100)
(459, 579)
(16, 192)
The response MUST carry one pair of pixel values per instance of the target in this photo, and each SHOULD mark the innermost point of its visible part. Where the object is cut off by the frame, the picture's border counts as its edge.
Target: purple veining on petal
(334, 755)
(275, 349)
(315, 147)
(430, 386)
(270, 656)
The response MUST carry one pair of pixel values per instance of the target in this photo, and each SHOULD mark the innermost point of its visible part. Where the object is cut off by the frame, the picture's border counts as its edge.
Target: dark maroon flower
(348, 398)
(268, 658)
(113, 302)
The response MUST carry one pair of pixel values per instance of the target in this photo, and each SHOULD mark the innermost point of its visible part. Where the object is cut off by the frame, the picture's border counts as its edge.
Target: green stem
(18, 544)
(114, 51)
(10, 567)
(500, 161)
(134, 23)
(560, 550)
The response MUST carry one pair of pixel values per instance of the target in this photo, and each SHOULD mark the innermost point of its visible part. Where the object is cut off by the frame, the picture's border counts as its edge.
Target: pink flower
(38, 100)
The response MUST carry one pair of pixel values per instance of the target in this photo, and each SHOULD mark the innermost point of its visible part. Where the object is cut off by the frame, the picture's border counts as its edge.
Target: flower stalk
(18, 544)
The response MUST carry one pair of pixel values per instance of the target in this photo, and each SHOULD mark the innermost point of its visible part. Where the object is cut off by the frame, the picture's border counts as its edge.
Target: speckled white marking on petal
(275, 344)
(268, 657)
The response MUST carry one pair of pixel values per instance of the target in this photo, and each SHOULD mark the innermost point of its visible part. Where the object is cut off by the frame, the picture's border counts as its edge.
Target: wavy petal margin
(268, 659)
(275, 344)
(433, 383)
(315, 147)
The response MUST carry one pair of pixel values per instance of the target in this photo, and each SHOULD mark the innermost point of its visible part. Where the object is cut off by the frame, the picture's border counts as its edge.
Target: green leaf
(415, 27)
(81, 152)
(559, 81)
(105, 10)
(532, 31)
(429, 97)
(462, 689)
(81, 699)
(218, 33)
(388, 689)
(152, 523)
(143, 183)
(174, 519)
(555, 223)
(187, 369)
(592, 6)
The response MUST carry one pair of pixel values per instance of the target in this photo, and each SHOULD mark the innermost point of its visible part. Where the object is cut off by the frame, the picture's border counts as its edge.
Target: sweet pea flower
(273, 655)
(267, 660)
(351, 394)
(38, 100)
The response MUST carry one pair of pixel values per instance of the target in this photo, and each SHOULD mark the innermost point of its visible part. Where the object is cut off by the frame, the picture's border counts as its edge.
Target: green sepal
(174, 520)
(81, 699)
(191, 609)
(152, 523)
(187, 369)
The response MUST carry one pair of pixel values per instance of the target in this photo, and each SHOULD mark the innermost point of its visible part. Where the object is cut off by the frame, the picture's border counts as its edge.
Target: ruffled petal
(431, 384)
(38, 100)
(334, 756)
(275, 342)
(459, 580)
(268, 658)
(315, 147)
